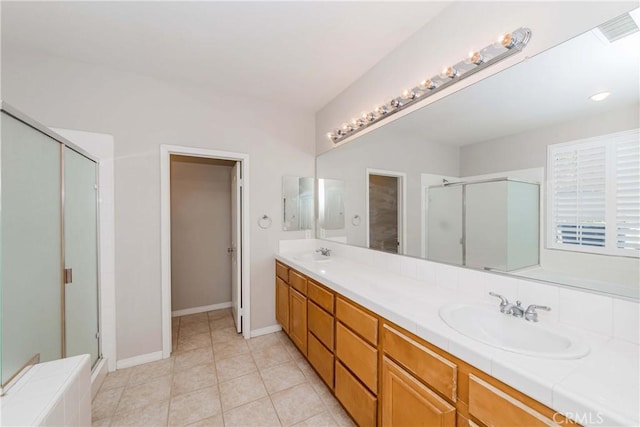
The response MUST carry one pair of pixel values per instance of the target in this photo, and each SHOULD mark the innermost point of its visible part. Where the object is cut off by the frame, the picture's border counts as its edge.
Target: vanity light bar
(507, 45)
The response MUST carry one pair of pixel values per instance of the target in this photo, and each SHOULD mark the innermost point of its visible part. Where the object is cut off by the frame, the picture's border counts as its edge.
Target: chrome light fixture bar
(507, 45)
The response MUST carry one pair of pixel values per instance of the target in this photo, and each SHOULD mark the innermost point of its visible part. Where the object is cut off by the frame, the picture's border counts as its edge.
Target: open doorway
(386, 211)
(201, 250)
(205, 259)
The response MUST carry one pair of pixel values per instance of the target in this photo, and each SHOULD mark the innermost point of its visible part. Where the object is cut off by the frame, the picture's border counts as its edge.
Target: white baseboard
(265, 331)
(202, 309)
(98, 375)
(139, 360)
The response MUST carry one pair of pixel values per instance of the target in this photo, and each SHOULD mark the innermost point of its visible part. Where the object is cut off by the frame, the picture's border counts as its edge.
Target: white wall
(200, 232)
(529, 150)
(461, 27)
(142, 113)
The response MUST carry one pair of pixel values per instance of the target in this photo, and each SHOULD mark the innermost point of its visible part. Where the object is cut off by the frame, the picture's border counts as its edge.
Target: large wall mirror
(522, 173)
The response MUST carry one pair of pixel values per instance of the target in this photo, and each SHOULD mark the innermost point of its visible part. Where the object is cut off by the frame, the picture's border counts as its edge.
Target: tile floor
(217, 378)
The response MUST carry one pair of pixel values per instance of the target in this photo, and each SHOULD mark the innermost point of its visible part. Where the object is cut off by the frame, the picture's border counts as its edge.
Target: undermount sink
(488, 325)
(311, 256)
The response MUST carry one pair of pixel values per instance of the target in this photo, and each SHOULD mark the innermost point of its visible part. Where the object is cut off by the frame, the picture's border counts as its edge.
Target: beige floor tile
(105, 403)
(194, 318)
(116, 379)
(282, 376)
(339, 414)
(193, 379)
(227, 349)
(222, 322)
(225, 334)
(215, 421)
(144, 373)
(191, 342)
(235, 367)
(271, 355)
(193, 329)
(138, 396)
(194, 406)
(259, 414)
(239, 391)
(320, 420)
(154, 414)
(297, 404)
(263, 341)
(218, 314)
(192, 358)
(101, 423)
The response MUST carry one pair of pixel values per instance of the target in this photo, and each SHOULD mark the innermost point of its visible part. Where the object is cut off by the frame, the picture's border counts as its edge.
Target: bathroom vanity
(357, 326)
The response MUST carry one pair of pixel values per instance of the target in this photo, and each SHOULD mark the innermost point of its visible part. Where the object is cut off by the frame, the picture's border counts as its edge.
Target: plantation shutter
(628, 194)
(594, 194)
(579, 194)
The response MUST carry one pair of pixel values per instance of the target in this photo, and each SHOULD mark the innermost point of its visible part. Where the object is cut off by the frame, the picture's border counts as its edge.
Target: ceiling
(551, 87)
(301, 54)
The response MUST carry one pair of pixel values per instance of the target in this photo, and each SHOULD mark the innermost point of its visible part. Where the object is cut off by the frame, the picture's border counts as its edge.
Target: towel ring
(265, 222)
(356, 220)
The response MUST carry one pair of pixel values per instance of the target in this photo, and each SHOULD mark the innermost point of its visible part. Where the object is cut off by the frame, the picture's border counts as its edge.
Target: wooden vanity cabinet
(321, 331)
(407, 402)
(384, 375)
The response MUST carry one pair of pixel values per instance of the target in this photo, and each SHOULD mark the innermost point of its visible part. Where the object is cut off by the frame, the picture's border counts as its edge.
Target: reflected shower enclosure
(492, 224)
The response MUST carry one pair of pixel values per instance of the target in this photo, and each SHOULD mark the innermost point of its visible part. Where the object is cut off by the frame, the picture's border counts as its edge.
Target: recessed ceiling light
(600, 96)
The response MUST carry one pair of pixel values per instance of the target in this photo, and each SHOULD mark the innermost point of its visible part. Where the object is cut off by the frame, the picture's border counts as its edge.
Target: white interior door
(236, 245)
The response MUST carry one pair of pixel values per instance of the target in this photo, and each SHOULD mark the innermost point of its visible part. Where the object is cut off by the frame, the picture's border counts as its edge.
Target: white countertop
(602, 388)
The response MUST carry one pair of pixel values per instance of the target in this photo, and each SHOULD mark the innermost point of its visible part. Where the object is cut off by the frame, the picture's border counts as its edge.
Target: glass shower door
(31, 268)
(80, 255)
(444, 225)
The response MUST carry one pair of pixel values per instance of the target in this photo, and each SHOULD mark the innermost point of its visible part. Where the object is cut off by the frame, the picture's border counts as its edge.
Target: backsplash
(602, 314)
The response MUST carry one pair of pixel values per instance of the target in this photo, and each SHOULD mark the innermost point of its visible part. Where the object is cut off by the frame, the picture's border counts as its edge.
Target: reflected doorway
(385, 210)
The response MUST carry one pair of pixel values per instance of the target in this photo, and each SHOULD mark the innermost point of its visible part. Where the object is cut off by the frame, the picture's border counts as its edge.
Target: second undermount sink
(311, 256)
(490, 326)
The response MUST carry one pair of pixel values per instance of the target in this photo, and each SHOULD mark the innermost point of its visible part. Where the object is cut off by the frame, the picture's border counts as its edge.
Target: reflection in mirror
(522, 172)
(297, 203)
(331, 209)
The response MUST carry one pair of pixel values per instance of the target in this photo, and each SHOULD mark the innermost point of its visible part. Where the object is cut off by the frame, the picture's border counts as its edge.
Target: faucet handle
(503, 300)
(531, 314)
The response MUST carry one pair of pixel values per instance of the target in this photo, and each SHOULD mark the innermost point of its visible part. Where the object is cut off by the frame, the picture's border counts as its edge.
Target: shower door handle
(68, 275)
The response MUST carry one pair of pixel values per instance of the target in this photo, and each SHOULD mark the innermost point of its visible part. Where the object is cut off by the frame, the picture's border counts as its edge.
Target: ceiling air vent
(618, 28)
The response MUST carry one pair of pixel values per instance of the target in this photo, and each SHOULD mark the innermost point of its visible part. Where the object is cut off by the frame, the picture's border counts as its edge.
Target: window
(594, 195)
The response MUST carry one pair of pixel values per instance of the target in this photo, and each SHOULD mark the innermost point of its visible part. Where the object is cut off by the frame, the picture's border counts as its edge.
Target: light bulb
(395, 103)
(451, 72)
(476, 58)
(331, 135)
(381, 110)
(408, 94)
(508, 40)
(428, 84)
(370, 117)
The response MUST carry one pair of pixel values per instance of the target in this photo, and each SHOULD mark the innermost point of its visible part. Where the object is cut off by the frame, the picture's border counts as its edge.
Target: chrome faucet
(324, 251)
(516, 310)
(531, 314)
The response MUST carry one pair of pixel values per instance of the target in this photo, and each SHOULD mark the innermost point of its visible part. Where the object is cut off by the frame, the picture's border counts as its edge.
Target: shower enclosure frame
(64, 143)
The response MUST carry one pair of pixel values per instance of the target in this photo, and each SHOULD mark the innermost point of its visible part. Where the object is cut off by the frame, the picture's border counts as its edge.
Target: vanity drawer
(321, 359)
(361, 404)
(433, 369)
(321, 324)
(282, 271)
(493, 407)
(358, 356)
(320, 296)
(298, 282)
(358, 320)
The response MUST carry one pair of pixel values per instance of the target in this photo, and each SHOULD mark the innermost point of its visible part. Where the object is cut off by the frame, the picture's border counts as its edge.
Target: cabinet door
(408, 402)
(298, 319)
(282, 304)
